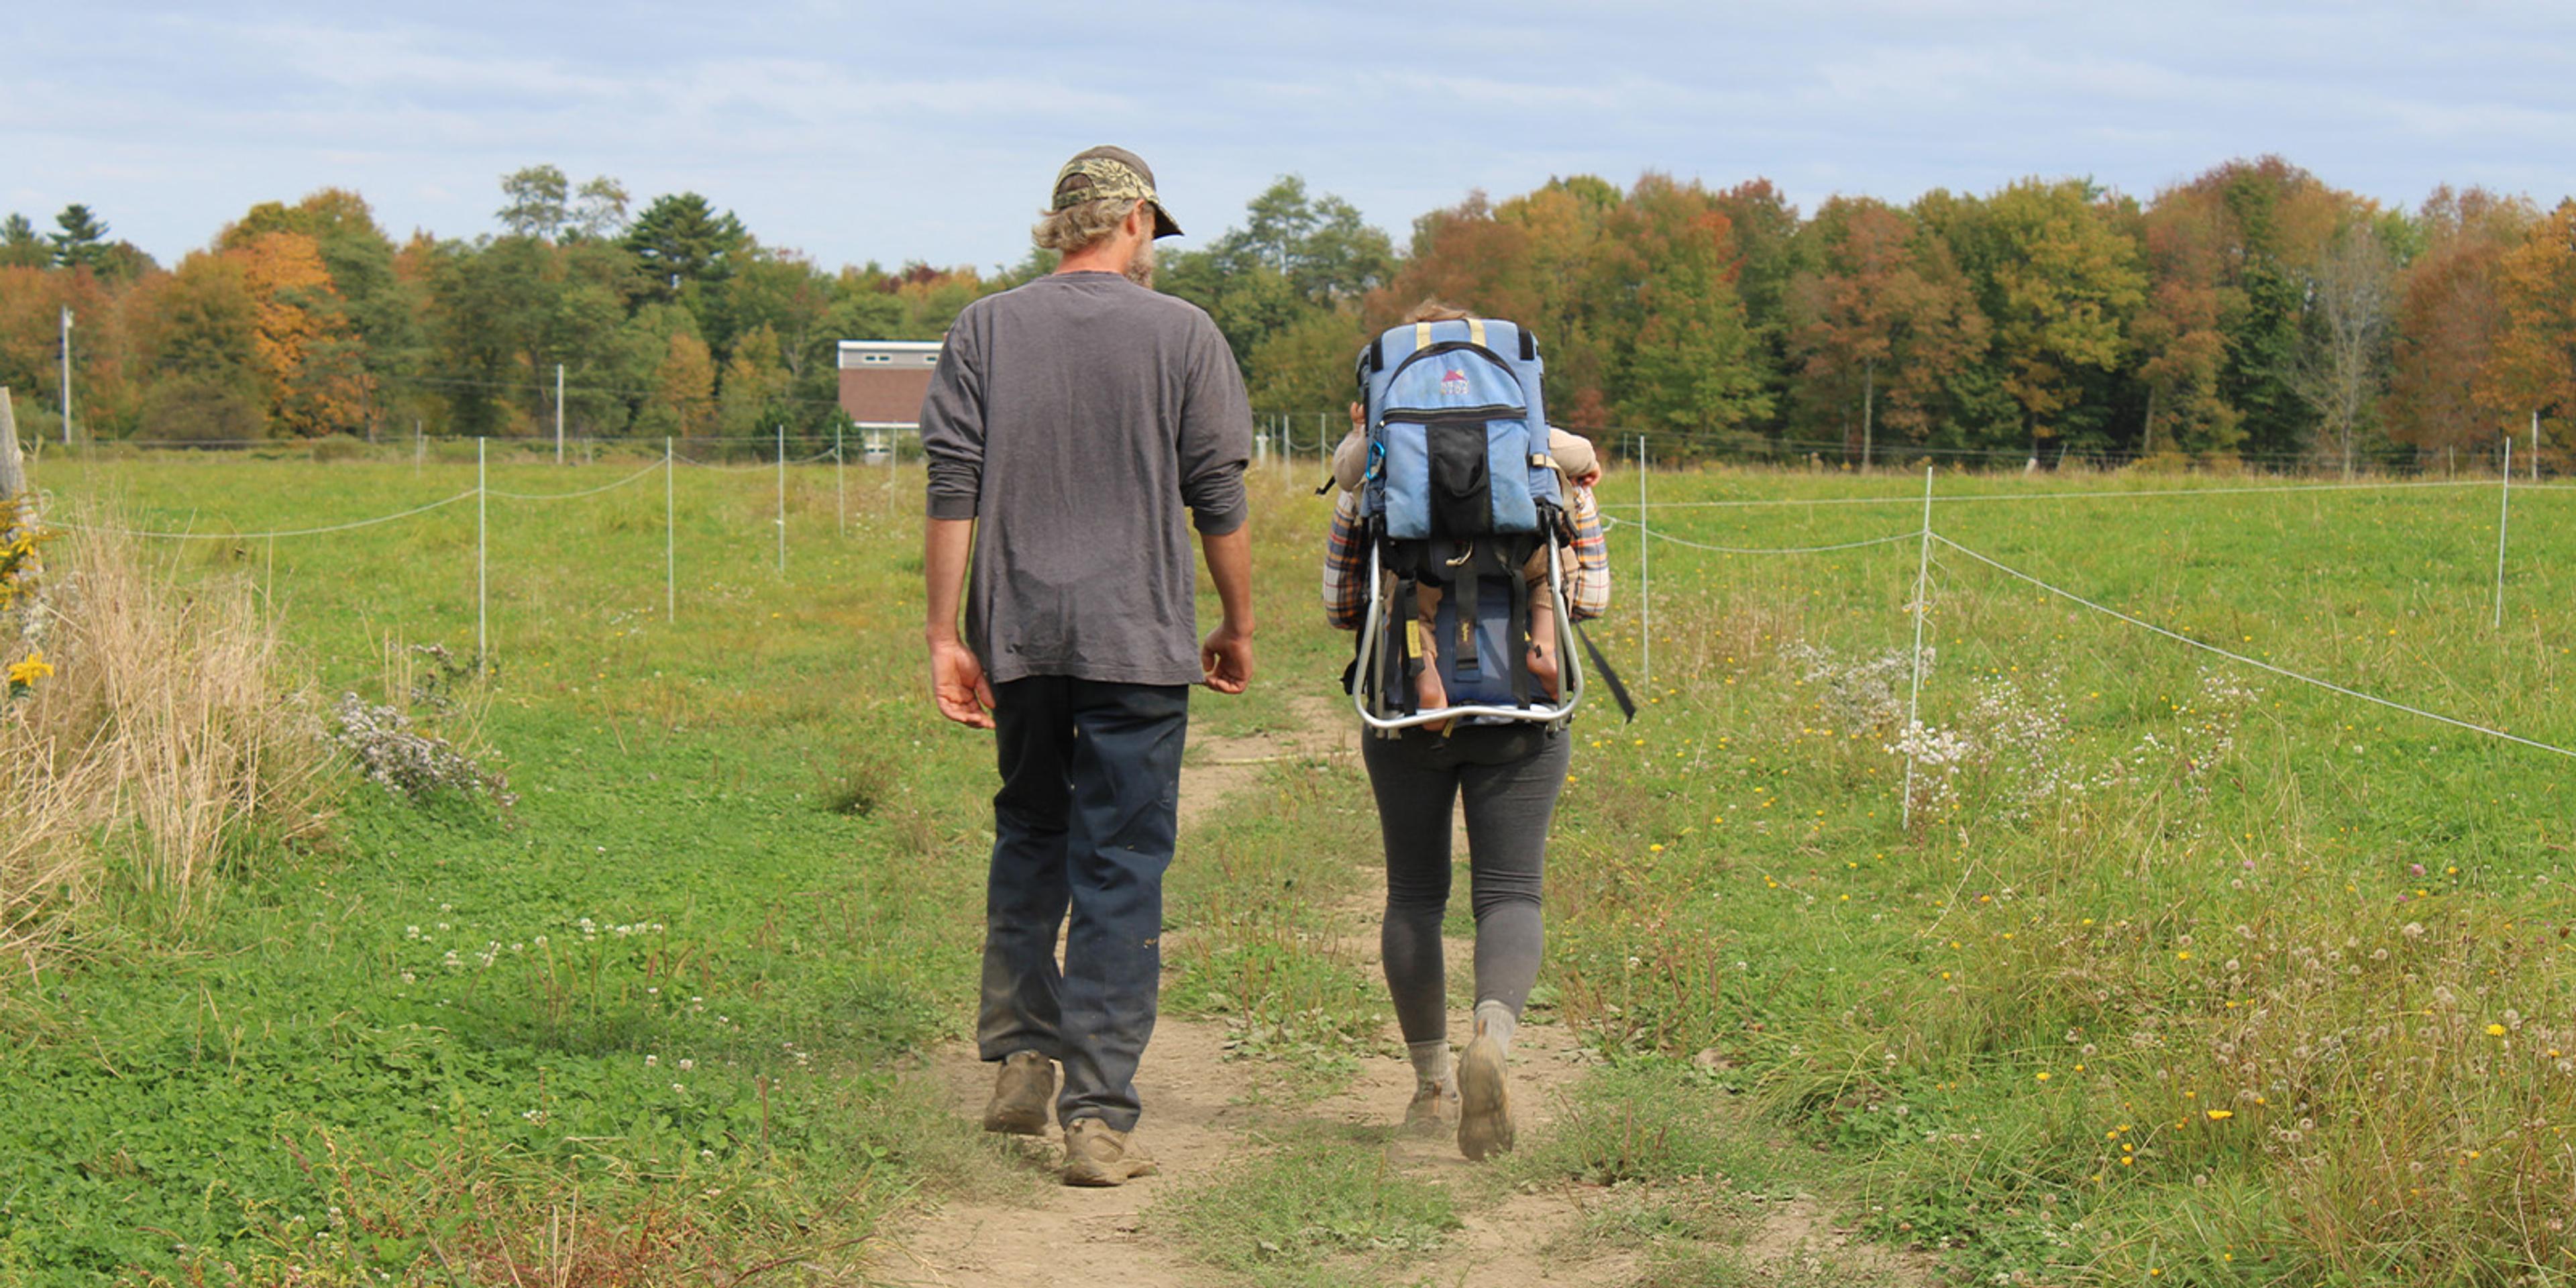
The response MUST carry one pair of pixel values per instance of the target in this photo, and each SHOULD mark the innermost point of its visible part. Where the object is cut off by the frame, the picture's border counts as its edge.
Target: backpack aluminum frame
(1569, 671)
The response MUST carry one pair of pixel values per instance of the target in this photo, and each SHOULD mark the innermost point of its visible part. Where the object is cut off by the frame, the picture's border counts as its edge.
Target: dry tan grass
(167, 737)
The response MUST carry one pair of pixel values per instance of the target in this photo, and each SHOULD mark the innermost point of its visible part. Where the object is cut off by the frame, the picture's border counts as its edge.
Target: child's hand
(1543, 668)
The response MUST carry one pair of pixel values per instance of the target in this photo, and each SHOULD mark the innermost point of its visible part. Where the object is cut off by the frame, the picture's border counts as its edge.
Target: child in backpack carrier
(1577, 467)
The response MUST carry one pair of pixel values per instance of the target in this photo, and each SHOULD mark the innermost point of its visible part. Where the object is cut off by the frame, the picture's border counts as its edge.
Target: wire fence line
(824, 455)
(2108, 494)
(466, 495)
(2282, 671)
(1928, 536)
(647, 471)
(1660, 535)
(1925, 533)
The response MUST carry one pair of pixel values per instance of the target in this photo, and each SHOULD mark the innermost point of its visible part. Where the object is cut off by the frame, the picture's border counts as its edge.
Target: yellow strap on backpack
(1476, 332)
(1421, 336)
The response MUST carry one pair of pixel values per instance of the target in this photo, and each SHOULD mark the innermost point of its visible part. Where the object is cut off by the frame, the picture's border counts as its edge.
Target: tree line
(2253, 314)
(307, 320)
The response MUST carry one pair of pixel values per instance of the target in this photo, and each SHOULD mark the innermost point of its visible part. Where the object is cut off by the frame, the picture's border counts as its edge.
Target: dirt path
(1204, 1112)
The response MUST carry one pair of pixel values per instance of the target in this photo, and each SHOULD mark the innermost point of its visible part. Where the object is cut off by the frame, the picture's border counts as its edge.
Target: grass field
(2187, 973)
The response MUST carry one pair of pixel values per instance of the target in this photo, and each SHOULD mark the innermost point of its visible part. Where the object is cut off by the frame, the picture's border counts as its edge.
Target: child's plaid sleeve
(1345, 566)
(1588, 590)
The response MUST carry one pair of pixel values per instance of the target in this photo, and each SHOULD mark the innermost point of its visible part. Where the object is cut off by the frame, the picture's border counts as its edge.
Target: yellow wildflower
(2221, 1115)
(30, 669)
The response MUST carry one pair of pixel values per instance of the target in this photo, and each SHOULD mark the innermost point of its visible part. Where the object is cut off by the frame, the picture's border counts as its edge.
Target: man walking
(1069, 423)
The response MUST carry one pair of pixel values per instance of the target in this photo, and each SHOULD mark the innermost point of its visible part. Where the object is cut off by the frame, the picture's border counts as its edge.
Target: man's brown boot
(1021, 1093)
(1097, 1154)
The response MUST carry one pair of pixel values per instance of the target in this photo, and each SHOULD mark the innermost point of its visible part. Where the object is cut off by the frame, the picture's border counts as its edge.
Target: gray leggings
(1511, 775)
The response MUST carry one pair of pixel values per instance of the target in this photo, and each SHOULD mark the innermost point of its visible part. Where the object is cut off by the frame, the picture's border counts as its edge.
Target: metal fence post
(1914, 693)
(482, 562)
(1645, 586)
(670, 541)
(2504, 517)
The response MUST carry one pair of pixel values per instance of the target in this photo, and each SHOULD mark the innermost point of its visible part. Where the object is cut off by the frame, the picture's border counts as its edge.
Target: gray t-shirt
(1074, 417)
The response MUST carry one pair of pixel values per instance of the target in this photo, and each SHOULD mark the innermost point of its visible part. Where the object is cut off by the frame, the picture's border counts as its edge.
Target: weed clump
(157, 729)
(396, 755)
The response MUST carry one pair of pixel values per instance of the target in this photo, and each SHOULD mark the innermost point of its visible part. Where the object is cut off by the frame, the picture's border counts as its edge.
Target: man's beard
(1140, 266)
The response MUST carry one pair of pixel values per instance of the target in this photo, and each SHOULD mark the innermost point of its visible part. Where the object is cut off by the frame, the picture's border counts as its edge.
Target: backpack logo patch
(1453, 383)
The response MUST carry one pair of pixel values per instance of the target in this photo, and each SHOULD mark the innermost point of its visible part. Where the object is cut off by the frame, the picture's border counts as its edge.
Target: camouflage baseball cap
(1111, 174)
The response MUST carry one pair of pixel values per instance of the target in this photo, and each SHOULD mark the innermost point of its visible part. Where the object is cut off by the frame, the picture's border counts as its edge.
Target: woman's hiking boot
(1434, 1107)
(1484, 1099)
(1096, 1153)
(1021, 1092)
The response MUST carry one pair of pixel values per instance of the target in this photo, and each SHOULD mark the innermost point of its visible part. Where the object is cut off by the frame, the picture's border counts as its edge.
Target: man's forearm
(947, 544)
(1229, 562)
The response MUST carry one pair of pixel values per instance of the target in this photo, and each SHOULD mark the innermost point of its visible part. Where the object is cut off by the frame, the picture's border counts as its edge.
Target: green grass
(1318, 1209)
(762, 787)
(1980, 1014)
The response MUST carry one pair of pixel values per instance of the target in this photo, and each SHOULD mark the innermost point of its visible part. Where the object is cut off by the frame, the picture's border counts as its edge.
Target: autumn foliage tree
(1880, 326)
(2449, 316)
(2534, 368)
(304, 349)
(2058, 281)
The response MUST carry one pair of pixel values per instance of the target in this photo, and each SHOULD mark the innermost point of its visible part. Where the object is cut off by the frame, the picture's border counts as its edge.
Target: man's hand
(957, 682)
(1226, 655)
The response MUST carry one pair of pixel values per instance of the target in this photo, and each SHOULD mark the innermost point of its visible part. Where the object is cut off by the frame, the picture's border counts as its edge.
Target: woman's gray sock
(1430, 1060)
(1496, 1021)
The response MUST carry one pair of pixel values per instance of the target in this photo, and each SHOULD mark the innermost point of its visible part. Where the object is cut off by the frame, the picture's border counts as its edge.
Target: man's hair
(1437, 311)
(1079, 227)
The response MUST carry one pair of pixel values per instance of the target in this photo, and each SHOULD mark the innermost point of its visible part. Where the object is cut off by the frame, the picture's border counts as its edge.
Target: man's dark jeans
(1087, 814)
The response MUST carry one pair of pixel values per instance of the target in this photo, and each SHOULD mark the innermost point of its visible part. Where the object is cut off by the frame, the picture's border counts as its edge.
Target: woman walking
(1509, 774)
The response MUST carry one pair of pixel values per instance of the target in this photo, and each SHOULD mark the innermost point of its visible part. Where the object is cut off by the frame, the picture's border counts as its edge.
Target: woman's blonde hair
(1437, 311)
(1080, 227)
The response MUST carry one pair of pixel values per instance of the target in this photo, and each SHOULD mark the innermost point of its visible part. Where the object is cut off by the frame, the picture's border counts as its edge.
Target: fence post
(782, 500)
(670, 541)
(840, 490)
(482, 564)
(1645, 586)
(2535, 446)
(13, 471)
(13, 476)
(2504, 516)
(558, 413)
(1914, 694)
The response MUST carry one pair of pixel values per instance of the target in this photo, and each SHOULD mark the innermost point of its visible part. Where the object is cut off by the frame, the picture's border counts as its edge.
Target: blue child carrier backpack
(1459, 494)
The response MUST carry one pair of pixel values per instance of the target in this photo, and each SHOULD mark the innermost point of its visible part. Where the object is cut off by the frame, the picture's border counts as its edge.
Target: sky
(931, 131)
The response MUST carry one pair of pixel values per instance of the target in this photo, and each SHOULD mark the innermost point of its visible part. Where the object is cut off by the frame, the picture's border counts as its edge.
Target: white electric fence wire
(1891, 538)
(2283, 672)
(2105, 495)
(570, 496)
(824, 455)
(466, 495)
